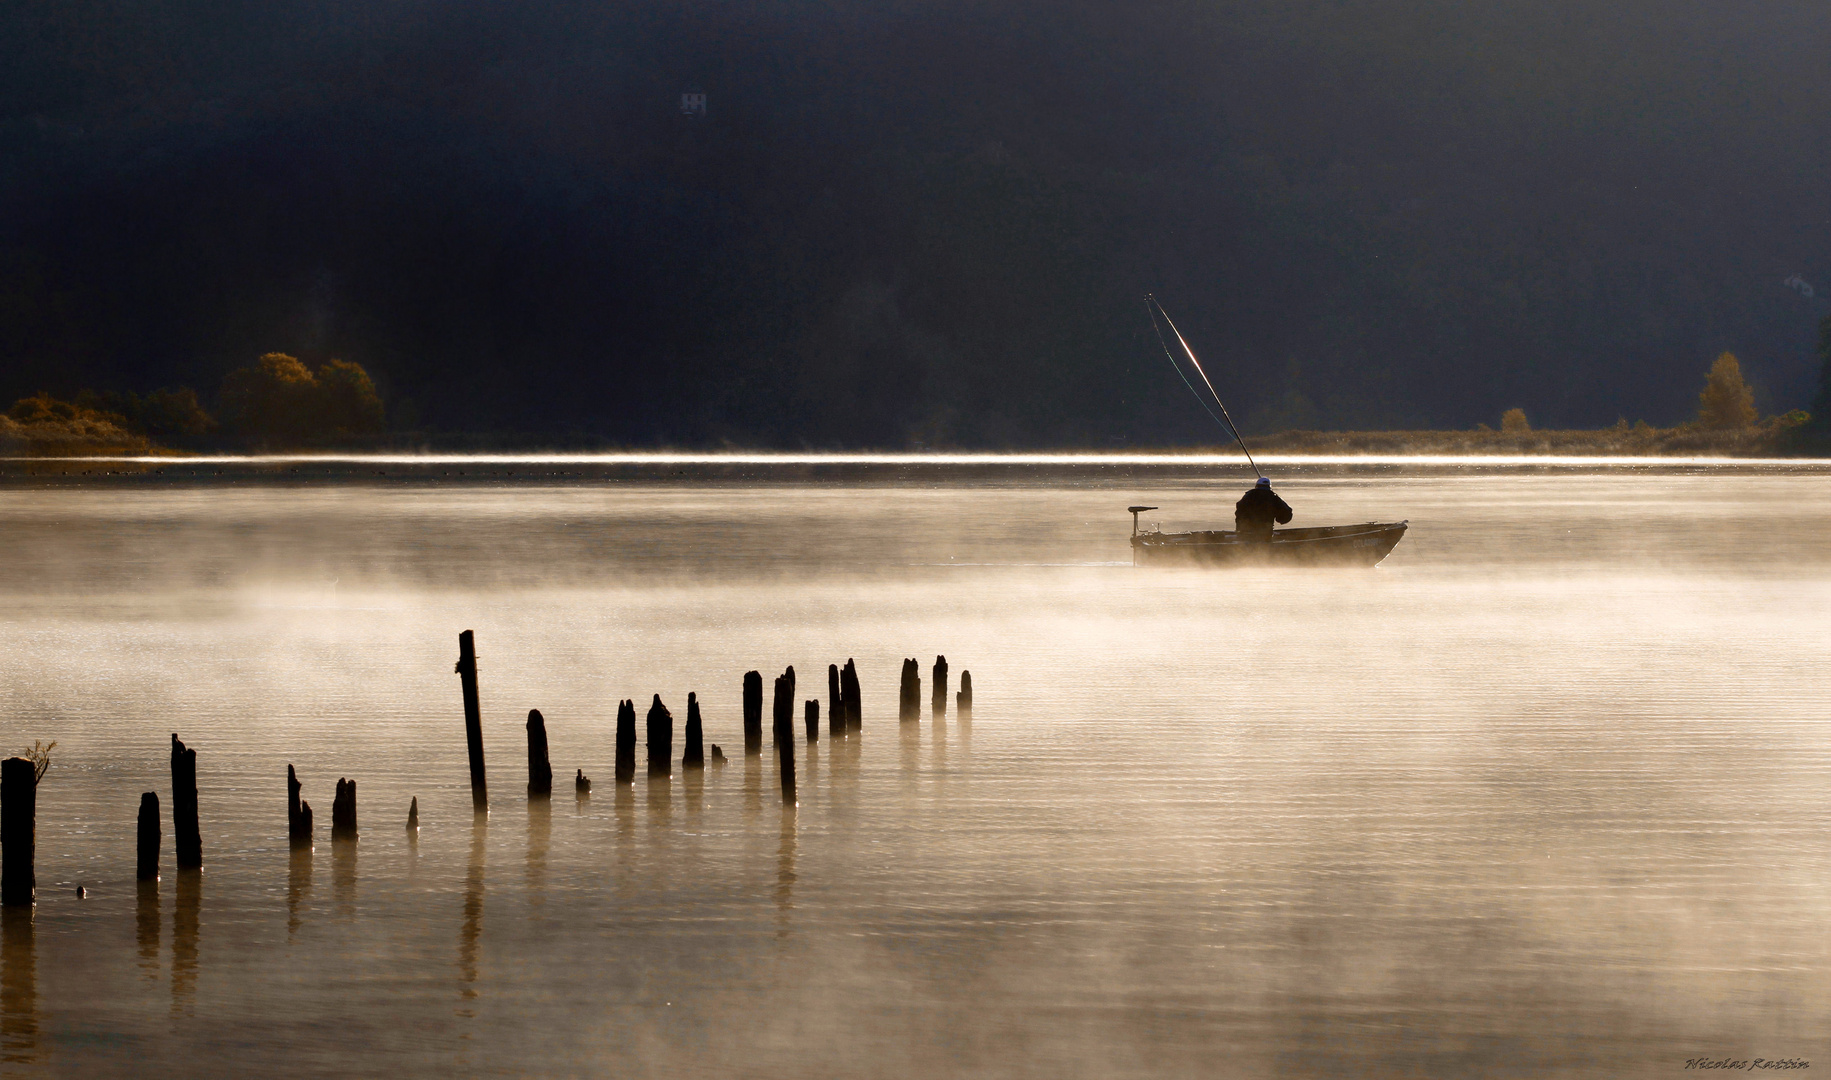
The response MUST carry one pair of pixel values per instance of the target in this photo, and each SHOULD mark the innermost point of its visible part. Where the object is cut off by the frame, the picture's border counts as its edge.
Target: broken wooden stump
(18, 830)
(785, 732)
(660, 739)
(540, 769)
(298, 811)
(626, 742)
(581, 784)
(963, 701)
(147, 863)
(187, 837)
(753, 713)
(811, 713)
(848, 693)
(909, 698)
(835, 704)
(473, 719)
(413, 813)
(938, 703)
(694, 756)
(343, 810)
(718, 755)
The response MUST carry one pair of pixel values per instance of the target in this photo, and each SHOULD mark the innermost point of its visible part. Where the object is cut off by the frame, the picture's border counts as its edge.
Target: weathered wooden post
(660, 739)
(18, 830)
(785, 733)
(694, 757)
(939, 701)
(413, 813)
(753, 713)
(626, 742)
(187, 837)
(581, 784)
(963, 701)
(343, 810)
(298, 811)
(540, 769)
(473, 719)
(147, 865)
(811, 713)
(835, 704)
(910, 697)
(848, 692)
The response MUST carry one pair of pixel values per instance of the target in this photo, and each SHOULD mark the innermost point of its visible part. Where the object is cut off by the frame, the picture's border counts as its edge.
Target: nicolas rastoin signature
(1747, 1063)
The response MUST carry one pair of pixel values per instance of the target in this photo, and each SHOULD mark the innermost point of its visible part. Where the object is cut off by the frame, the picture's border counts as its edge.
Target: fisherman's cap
(1264, 482)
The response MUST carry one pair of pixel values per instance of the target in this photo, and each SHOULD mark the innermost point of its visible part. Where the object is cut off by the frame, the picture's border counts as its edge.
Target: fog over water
(1546, 793)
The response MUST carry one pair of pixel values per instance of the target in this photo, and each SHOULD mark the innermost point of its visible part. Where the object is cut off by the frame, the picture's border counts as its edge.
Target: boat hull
(1334, 545)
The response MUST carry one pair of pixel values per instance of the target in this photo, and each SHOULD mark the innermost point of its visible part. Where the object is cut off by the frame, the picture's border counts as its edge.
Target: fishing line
(1150, 303)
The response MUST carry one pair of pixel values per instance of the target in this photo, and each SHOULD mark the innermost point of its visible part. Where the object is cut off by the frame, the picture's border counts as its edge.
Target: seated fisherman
(1257, 509)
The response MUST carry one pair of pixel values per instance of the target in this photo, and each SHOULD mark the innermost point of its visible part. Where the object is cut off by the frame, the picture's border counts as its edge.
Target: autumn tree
(1727, 403)
(279, 400)
(1514, 422)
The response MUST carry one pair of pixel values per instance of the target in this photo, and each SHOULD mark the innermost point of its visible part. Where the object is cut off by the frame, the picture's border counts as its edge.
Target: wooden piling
(909, 698)
(626, 742)
(147, 864)
(413, 813)
(18, 830)
(187, 837)
(343, 810)
(785, 732)
(694, 756)
(298, 811)
(753, 713)
(660, 739)
(473, 720)
(848, 692)
(938, 703)
(540, 769)
(581, 784)
(963, 701)
(811, 713)
(835, 704)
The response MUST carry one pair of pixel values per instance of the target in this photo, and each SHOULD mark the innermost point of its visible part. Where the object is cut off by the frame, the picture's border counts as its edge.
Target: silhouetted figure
(186, 836)
(298, 811)
(694, 756)
(753, 712)
(626, 742)
(540, 769)
(1254, 514)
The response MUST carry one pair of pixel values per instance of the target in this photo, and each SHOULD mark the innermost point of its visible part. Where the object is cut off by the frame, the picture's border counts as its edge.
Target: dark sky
(906, 221)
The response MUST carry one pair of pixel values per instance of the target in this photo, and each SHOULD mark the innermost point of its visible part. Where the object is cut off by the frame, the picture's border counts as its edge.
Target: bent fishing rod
(1154, 309)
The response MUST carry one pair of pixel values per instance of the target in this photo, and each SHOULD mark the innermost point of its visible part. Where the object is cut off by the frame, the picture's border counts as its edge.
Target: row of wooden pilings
(19, 776)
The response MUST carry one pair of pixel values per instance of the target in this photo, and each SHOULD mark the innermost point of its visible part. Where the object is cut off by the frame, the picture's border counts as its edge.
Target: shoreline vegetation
(279, 405)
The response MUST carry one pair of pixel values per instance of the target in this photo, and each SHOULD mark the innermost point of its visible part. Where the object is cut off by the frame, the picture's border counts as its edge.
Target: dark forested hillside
(932, 222)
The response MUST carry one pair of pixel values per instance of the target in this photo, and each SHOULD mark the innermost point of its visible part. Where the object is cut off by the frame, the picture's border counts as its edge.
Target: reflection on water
(1540, 797)
(343, 876)
(471, 928)
(186, 915)
(18, 985)
(146, 926)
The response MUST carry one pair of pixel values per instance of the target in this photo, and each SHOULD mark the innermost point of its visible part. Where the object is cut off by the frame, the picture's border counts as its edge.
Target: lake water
(1547, 793)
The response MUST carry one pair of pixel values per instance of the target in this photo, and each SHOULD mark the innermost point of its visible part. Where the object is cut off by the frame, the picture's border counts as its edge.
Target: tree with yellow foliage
(1727, 403)
(279, 401)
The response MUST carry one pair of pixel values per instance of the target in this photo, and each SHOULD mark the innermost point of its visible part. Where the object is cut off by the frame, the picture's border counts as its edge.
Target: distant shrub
(278, 400)
(1513, 421)
(45, 425)
(1727, 403)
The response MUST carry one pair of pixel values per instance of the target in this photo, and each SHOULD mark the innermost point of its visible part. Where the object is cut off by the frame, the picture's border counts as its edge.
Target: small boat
(1330, 545)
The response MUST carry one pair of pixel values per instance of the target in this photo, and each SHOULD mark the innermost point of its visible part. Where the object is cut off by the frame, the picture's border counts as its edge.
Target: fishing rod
(1154, 309)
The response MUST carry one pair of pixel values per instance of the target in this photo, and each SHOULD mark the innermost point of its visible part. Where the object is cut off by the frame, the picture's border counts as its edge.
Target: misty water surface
(1545, 794)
